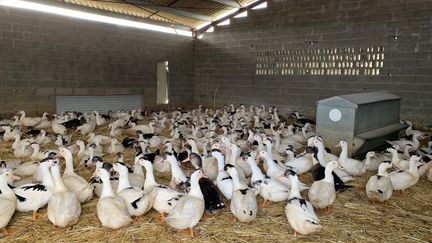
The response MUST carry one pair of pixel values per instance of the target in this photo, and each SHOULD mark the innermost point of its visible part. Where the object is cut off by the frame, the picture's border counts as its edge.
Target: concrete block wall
(225, 59)
(44, 55)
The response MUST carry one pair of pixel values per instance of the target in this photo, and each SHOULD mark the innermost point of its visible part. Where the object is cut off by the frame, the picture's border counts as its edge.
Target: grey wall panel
(97, 103)
(44, 55)
(228, 59)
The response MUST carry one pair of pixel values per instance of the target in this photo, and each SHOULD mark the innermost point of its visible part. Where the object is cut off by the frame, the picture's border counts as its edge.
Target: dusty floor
(353, 218)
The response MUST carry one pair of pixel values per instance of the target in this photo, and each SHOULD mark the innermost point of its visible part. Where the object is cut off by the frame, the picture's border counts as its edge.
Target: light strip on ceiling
(261, 6)
(91, 16)
(226, 13)
(244, 14)
(241, 15)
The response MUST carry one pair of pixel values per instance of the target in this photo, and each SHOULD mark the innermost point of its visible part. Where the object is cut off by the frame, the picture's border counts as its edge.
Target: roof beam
(108, 13)
(170, 10)
(216, 22)
(230, 3)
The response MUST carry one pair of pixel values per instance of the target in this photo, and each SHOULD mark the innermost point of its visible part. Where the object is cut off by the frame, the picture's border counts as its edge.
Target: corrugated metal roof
(190, 13)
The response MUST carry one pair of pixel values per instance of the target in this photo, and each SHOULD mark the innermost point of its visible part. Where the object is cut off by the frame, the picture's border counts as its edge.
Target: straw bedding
(406, 218)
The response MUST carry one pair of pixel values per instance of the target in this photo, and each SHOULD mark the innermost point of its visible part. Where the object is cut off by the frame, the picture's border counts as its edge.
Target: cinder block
(45, 91)
(63, 91)
(80, 91)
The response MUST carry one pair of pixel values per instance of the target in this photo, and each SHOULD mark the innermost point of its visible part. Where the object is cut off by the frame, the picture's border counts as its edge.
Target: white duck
(243, 201)
(399, 163)
(136, 178)
(8, 200)
(322, 193)
(38, 154)
(23, 150)
(63, 140)
(10, 164)
(115, 131)
(235, 157)
(322, 154)
(207, 164)
(379, 187)
(44, 122)
(179, 181)
(32, 197)
(406, 152)
(223, 180)
(371, 162)
(42, 138)
(104, 140)
(165, 198)
(111, 209)
(415, 143)
(100, 121)
(404, 179)
(88, 153)
(18, 142)
(10, 135)
(299, 212)
(28, 121)
(324, 158)
(146, 129)
(97, 182)
(115, 147)
(190, 208)
(64, 209)
(78, 185)
(277, 173)
(424, 167)
(155, 142)
(429, 175)
(26, 169)
(87, 128)
(275, 155)
(290, 155)
(137, 202)
(260, 145)
(269, 189)
(303, 163)
(281, 144)
(58, 128)
(351, 166)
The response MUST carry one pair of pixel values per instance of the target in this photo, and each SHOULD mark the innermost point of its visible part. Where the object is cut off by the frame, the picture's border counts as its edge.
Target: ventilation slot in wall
(328, 61)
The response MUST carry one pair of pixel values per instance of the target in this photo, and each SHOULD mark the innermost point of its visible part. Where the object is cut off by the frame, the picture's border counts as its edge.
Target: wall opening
(162, 83)
(321, 61)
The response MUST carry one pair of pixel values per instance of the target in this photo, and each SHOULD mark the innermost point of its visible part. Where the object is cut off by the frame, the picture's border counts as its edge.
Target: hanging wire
(177, 7)
(152, 13)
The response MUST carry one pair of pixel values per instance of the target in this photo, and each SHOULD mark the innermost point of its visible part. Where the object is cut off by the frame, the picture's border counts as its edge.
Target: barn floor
(353, 218)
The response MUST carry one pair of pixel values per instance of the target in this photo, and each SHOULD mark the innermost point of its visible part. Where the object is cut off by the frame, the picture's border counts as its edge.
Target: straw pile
(353, 218)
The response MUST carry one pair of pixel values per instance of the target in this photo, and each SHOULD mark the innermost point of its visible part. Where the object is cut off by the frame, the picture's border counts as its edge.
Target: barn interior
(192, 59)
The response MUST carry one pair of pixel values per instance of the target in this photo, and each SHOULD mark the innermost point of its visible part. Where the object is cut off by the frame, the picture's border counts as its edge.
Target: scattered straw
(352, 218)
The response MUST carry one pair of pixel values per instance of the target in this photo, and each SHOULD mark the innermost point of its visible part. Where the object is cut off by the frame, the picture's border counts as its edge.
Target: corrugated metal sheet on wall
(98, 103)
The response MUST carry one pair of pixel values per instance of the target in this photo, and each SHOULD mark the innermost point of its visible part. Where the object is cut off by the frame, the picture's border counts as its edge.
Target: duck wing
(306, 207)
(318, 174)
(212, 197)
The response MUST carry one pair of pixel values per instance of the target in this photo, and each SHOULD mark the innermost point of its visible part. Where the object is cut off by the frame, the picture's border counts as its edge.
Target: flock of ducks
(225, 147)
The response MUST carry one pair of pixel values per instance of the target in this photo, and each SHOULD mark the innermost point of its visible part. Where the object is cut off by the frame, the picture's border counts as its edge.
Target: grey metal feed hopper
(364, 120)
